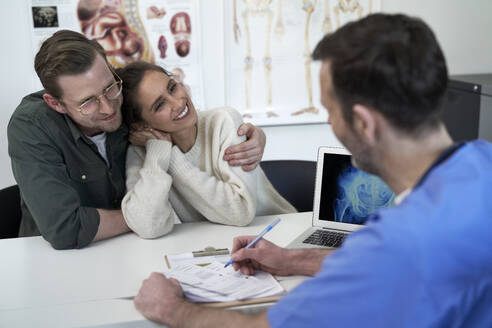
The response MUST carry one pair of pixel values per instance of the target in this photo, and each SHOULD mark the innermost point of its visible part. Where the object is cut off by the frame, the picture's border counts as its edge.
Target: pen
(254, 241)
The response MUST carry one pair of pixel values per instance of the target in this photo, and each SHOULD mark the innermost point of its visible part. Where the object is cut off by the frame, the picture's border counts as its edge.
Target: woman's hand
(139, 134)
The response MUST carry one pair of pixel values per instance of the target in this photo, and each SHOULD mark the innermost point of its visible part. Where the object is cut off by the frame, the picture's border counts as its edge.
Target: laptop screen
(348, 194)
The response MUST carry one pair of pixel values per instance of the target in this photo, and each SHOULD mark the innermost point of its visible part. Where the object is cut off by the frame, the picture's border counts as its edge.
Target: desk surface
(41, 286)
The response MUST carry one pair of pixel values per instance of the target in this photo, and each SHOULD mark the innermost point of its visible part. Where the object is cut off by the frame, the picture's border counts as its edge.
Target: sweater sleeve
(146, 207)
(224, 196)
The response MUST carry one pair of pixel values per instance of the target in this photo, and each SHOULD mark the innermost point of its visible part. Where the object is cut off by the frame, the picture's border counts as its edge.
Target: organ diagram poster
(270, 77)
(164, 32)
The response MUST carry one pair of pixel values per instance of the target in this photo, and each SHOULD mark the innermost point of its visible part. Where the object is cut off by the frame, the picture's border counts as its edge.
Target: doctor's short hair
(65, 53)
(390, 63)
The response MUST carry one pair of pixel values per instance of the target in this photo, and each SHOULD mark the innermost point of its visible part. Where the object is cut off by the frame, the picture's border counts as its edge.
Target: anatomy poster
(164, 32)
(270, 77)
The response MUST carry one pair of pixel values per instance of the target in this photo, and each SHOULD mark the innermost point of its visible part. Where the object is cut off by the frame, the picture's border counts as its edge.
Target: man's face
(362, 155)
(79, 88)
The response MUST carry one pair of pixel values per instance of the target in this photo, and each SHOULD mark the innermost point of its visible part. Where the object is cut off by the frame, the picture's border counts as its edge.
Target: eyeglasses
(92, 105)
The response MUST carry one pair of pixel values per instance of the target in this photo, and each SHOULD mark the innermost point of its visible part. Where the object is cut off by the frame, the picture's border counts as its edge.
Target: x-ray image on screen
(349, 195)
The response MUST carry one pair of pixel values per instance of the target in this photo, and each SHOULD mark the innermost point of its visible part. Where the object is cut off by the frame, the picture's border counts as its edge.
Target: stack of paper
(214, 283)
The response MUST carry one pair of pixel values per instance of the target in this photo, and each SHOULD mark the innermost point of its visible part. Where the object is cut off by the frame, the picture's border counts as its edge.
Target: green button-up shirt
(61, 175)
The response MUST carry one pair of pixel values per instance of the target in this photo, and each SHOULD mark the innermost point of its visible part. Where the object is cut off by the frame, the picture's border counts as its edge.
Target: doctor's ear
(365, 122)
(54, 103)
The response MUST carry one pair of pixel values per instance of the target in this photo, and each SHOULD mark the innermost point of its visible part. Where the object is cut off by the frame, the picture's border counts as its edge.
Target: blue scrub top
(424, 263)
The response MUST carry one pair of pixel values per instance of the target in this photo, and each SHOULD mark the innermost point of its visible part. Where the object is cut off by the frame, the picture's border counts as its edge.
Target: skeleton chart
(270, 77)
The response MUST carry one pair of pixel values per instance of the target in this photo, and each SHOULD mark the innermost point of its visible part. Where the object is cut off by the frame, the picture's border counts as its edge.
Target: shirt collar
(74, 129)
(77, 134)
(444, 156)
(448, 153)
(401, 196)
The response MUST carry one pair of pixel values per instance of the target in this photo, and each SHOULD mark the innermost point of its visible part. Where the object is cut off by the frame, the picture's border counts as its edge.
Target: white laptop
(344, 197)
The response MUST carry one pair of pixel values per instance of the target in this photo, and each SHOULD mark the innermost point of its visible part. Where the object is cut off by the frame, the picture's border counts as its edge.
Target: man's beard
(363, 159)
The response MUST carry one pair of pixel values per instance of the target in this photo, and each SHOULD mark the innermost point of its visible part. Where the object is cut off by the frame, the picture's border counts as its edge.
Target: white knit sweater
(165, 186)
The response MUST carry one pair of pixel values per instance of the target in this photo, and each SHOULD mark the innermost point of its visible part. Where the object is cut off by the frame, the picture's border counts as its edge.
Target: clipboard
(206, 256)
(200, 257)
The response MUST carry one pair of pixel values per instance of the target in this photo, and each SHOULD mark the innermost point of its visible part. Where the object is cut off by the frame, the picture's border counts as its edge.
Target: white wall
(463, 28)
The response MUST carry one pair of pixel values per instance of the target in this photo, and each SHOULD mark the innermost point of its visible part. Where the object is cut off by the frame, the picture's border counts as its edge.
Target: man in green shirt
(67, 146)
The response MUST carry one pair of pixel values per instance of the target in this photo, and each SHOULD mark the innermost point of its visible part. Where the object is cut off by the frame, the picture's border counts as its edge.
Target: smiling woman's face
(164, 103)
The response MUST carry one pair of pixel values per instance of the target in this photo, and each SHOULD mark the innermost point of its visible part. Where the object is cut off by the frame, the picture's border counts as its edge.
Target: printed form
(214, 283)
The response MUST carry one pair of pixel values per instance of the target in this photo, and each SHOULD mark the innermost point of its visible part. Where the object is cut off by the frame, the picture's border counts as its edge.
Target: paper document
(214, 283)
(189, 258)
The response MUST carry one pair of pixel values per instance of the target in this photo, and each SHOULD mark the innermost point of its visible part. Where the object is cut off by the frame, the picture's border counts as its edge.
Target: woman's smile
(183, 113)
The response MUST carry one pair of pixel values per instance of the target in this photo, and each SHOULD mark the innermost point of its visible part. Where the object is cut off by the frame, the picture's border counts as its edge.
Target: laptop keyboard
(325, 238)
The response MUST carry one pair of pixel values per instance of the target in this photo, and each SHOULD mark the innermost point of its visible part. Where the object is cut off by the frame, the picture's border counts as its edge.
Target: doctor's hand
(160, 299)
(247, 154)
(264, 256)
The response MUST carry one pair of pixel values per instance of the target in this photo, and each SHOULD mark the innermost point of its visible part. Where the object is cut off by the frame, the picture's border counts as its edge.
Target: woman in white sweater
(174, 168)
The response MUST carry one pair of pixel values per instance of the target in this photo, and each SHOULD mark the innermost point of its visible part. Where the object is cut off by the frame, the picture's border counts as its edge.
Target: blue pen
(257, 239)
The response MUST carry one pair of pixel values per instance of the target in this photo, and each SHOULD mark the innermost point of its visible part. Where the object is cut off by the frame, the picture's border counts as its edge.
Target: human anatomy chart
(164, 32)
(270, 77)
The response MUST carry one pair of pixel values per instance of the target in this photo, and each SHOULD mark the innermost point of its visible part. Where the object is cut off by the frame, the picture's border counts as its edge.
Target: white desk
(40, 286)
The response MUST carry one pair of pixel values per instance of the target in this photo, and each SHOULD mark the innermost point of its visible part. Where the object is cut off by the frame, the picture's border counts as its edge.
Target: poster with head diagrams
(163, 32)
